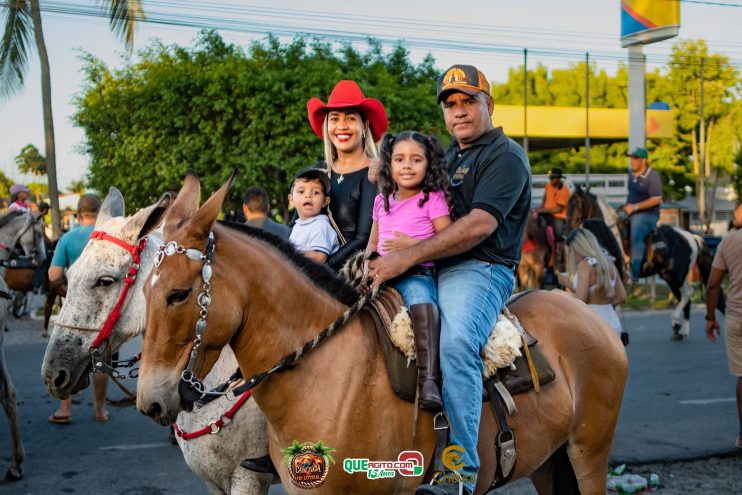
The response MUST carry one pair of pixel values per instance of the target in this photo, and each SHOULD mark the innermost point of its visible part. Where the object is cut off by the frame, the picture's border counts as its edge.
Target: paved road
(679, 403)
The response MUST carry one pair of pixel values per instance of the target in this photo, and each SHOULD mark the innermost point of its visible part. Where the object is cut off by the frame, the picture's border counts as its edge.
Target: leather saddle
(403, 375)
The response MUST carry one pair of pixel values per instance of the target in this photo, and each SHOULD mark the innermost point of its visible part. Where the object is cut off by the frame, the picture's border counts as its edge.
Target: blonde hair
(369, 146)
(583, 242)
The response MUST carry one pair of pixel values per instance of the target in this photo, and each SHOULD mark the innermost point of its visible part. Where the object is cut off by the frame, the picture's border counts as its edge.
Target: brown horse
(536, 255)
(264, 305)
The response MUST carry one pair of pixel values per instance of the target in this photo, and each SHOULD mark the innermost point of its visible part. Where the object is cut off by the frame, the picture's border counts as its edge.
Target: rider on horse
(642, 206)
(491, 189)
(553, 211)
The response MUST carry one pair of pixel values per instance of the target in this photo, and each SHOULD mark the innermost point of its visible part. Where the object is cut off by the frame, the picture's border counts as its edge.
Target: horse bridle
(190, 388)
(30, 225)
(104, 333)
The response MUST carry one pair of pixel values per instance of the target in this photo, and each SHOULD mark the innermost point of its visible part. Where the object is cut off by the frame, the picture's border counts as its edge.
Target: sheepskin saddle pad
(503, 354)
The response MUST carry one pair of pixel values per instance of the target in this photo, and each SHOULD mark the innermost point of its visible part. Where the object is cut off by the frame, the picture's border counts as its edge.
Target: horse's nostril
(61, 379)
(154, 411)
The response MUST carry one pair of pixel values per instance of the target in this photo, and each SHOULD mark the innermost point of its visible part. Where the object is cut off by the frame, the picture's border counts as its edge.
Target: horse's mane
(321, 275)
(6, 219)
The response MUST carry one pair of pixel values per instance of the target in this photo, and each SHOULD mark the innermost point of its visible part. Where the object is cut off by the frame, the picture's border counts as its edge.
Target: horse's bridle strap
(214, 426)
(134, 249)
(131, 277)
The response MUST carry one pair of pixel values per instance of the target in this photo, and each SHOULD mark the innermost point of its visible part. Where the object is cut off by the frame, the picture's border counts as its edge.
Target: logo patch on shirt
(458, 176)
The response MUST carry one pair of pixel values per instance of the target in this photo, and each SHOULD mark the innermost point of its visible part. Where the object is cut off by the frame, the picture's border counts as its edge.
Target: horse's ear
(186, 203)
(204, 219)
(146, 220)
(113, 206)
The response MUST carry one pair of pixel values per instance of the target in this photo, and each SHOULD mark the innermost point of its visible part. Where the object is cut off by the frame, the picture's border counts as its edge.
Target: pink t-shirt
(407, 217)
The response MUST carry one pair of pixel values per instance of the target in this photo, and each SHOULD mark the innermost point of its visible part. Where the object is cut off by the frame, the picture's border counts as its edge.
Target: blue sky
(570, 27)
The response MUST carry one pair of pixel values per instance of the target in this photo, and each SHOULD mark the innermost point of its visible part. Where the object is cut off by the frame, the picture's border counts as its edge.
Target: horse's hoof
(14, 474)
(676, 337)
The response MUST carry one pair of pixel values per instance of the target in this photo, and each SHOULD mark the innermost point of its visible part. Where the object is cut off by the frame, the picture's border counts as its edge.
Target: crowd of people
(447, 226)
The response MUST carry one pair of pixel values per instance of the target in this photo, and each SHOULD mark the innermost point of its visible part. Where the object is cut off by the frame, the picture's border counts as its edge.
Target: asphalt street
(678, 404)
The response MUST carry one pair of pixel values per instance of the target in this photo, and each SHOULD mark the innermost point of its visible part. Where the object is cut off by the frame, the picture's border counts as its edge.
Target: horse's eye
(104, 281)
(178, 295)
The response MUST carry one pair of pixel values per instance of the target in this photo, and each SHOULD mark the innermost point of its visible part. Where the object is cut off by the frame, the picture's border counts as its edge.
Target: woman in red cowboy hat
(350, 124)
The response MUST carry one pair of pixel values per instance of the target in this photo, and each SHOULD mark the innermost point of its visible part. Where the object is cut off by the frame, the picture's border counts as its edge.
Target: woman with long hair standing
(592, 277)
(349, 125)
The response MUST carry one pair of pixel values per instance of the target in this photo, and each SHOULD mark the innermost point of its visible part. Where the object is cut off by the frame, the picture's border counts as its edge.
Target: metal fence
(612, 188)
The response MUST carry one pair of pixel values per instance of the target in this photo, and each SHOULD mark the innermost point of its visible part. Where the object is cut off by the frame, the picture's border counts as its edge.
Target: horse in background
(537, 254)
(95, 283)
(20, 234)
(671, 254)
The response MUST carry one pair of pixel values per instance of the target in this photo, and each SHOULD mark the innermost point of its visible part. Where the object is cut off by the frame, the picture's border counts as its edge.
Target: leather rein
(190, 388)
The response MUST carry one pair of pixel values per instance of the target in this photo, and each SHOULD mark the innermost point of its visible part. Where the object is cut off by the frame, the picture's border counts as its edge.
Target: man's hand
(401, 241)
(712, 327)
(387, 267)
(373, 170)
(629, 208)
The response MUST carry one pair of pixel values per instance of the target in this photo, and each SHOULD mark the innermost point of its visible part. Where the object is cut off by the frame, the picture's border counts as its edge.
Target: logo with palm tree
(308, 463)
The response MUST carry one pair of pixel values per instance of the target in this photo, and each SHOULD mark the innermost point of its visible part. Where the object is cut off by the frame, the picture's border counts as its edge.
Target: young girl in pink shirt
(413, 205)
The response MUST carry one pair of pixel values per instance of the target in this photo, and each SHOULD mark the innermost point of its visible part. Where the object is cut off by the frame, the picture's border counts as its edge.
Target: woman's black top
(351, 204)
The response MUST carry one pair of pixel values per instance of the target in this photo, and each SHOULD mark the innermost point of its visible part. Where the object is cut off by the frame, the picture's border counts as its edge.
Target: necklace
(340, 178)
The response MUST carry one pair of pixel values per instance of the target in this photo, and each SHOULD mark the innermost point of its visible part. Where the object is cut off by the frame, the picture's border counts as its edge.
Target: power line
(718, 4)
(235, 24)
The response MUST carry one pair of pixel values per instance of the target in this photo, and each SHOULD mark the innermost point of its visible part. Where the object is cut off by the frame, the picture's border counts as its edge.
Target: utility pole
(525, 100)
(587, 121)
(702, 159)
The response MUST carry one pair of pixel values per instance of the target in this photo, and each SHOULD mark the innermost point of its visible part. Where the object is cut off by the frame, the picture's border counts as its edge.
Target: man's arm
(55, 273)
(459, 237)
(643, 205)
(712, 295)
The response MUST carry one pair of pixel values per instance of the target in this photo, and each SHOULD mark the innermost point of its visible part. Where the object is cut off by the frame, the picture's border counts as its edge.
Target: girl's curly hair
(436, 175)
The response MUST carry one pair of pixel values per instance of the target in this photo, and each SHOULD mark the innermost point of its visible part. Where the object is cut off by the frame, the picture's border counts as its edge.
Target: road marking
(136, 446)
(704, 402)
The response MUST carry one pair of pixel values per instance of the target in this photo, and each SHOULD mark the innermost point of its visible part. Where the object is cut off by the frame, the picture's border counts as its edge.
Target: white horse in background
(95, 283)
(22, 229)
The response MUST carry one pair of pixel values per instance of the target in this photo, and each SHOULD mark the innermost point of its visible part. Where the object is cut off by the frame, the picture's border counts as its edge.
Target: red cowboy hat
(347, 94)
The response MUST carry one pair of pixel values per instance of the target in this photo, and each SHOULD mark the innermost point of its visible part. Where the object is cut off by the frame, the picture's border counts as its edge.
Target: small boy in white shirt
(312, 233)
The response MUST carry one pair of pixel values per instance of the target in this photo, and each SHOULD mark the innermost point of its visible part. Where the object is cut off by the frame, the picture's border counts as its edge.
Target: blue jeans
(642, 224)
(418, 288)
(471, 295)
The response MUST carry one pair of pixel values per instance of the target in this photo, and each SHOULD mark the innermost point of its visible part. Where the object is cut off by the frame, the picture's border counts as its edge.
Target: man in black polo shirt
(642, 204)
(479, 253)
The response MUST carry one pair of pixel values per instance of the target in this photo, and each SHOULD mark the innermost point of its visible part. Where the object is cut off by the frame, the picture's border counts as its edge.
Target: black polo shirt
(493, 174)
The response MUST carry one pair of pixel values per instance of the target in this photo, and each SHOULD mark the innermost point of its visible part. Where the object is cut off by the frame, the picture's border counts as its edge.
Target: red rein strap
(214, 426)
(131, 277)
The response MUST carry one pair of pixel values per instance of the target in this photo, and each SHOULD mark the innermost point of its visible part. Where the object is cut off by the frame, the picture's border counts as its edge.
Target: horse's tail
(704, 263)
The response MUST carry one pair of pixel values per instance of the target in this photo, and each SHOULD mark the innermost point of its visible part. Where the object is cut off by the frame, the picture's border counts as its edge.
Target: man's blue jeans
(471, 295)
(642, 224)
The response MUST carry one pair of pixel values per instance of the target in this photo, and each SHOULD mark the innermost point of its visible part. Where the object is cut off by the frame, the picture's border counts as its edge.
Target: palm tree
(22, 20)
(31, 161)
(77, 187)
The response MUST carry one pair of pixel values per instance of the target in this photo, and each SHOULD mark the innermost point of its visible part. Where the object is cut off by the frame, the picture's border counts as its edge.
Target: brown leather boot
(426, 325)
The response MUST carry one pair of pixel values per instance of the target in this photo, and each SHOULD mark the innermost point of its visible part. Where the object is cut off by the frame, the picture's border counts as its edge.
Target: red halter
(131, 277)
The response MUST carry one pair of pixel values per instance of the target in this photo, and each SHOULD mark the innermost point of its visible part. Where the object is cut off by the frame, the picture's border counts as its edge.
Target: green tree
(77, 187)
(22, 21)
(214, 107)
(31, 161)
